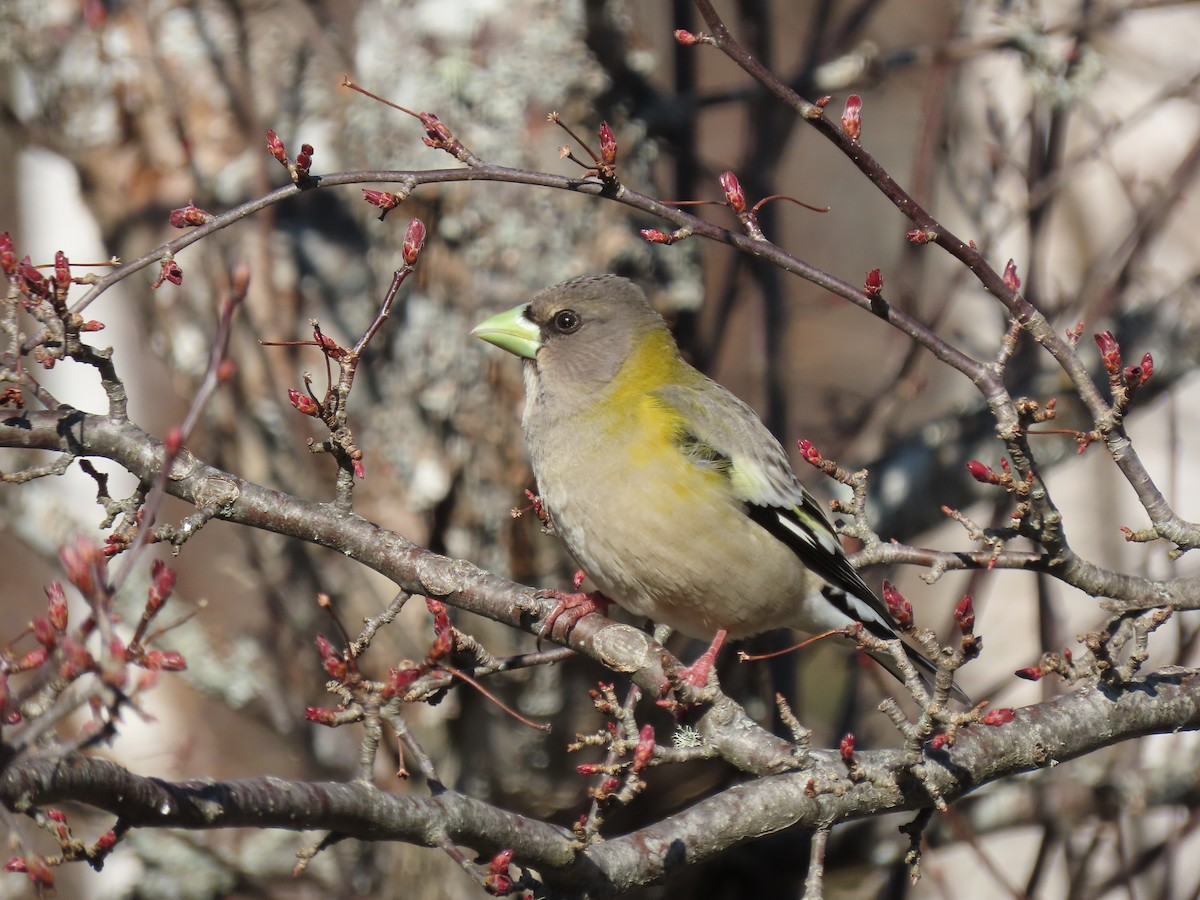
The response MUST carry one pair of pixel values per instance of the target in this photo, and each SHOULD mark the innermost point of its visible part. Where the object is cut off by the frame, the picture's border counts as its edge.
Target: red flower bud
(964, 614)
(734, 196)
(275, 147)
(687, 38)
(655, 236)
(44, 633)
(1030, 673)
(414, 240)
(161, 584)
(873, 286)
(937, 742)
(359, 471)
(187, 216)
(809, 453)
(847, 748)
(1136, 376)
(106, 841)
(303, 402)
(85, 565)
(16, 864)
(165, 660)
(57, 606)
(304, 159)
(500, 862)
(1110, 351)
(1011, 281)
(920, 236)
(645, 748)
(441, 621)
(982, 473)
(400, 680)
(62, 270)
(92, 325)
(31, 660)
(34, 282)
(608, 145)
(999, 716)
(852, 117)
(899, 607)
(385, 200)
(321, 716)
(331, 658)
(170, 272)
(8, 254)
(442, 645)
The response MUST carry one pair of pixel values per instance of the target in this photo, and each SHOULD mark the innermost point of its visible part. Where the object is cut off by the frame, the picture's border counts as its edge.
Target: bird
(669, 491)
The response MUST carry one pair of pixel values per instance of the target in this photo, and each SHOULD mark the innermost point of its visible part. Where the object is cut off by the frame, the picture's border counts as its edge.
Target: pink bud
(385, 200)
(62, 269)
(1110, 351)
(897, 605)
(442, 645)
(852, 117)
(44, 633)
(57, 606)
(414, 240)
(734, 196)
(999, 716)
(161, 584)
(608, 145)
(303, 402)
(8, 255)
(644, 751)
(1011, 281)
(920, 236)
(809, 453)
(964, 614)
(1030, 673)
(982, 473)
(304, 159)
(321, 716)
(847, 747)
(500, 862)
(873, 286)
(275, 147)
(166, 660)
(400, 680)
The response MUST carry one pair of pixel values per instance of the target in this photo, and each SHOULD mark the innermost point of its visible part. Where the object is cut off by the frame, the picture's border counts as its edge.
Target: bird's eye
(567, 321)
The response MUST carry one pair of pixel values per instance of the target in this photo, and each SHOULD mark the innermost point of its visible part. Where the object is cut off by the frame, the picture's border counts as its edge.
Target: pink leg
(697, 673)
(576, 606)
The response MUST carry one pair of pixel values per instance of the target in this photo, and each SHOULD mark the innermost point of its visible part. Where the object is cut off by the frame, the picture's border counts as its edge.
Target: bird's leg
(575, 605)
(697, 673)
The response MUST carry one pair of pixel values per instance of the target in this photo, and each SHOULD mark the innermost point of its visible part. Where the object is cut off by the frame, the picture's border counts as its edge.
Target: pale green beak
(511, 331)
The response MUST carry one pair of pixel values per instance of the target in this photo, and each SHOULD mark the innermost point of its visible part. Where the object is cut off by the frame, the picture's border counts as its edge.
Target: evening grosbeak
(668, 490)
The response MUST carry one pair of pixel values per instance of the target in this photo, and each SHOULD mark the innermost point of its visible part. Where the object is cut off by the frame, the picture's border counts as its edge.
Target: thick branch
(1040, 736)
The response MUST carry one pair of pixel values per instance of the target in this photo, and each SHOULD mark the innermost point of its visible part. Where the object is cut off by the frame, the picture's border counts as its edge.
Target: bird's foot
(575, 606)
(696, 676)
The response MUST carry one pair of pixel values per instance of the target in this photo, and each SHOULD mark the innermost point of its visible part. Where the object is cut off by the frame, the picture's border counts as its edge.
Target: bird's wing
(721, 432)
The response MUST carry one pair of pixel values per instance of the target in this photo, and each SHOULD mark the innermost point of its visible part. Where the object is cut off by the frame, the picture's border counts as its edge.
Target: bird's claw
(575, 606)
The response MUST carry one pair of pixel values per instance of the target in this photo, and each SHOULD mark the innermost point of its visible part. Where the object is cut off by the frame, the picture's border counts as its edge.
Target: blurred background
(1062, 135)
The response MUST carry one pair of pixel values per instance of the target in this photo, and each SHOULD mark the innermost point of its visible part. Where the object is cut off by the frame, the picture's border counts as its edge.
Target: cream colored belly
(681, 554)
